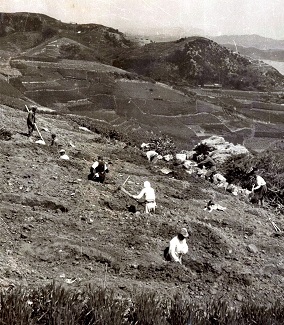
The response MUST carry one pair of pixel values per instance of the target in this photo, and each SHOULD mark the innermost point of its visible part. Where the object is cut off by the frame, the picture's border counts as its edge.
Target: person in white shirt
(150, 198)
(178, 247)
(259, 189)
(63, 155)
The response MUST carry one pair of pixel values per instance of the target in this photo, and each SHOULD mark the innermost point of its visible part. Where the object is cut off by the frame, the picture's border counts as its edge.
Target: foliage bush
(55, 304)
(269, 164)
(48, 32)
(69, 51)
(164, 145)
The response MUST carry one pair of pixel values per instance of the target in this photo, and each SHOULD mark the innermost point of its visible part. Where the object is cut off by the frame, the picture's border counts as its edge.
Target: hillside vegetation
(197, 61)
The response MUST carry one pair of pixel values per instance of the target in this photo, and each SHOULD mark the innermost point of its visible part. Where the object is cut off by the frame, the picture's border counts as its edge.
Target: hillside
(21, 32)
(198, 61)
(188, 61)
(57, 225)
(67, 70)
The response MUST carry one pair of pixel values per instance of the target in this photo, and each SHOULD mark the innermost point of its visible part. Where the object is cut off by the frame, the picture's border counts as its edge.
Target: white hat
(147, 184)
(184, 232)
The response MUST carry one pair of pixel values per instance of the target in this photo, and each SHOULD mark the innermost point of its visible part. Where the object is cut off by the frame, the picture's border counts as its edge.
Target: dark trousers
(167, 255)
(93, 177)
(31, 128)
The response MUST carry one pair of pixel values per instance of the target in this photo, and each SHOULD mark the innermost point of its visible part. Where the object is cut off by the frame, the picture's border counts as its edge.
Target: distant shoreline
(278, 65)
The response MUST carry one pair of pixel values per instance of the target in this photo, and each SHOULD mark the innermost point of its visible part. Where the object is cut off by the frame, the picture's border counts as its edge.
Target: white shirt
(151, 154)
(65, 157)
(219, 178)
(177, 248)
(96, 164)
(260, 181)
(149, 193)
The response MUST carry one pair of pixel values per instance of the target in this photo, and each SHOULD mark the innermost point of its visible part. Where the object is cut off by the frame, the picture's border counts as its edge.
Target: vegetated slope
(57, 225)
(134, 104)
(188, 61)
(63, 70)
(197, 60)
(22, 31)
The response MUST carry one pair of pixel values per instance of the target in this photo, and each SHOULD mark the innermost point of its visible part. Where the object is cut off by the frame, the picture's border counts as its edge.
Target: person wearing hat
(178, 247)
(150, 198)
(31, 120)
(98, 170)
(63, 155)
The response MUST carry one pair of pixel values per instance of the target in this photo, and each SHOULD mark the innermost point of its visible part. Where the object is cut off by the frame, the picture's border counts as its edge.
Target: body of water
(279, 65)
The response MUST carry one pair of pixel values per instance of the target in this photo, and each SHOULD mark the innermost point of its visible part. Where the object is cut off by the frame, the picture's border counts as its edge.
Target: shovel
(39, 141)
(120, 187)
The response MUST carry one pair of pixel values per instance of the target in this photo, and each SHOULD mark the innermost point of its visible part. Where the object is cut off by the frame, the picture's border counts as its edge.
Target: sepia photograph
(142, 162)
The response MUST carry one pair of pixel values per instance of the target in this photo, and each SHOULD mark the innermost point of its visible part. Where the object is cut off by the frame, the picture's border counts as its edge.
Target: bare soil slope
(57, 225)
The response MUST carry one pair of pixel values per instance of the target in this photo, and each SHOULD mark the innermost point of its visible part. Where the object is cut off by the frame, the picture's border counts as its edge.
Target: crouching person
(98, 170)
(178, 247)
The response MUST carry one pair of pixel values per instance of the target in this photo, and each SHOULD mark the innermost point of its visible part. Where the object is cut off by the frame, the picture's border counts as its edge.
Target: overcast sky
(214, 17)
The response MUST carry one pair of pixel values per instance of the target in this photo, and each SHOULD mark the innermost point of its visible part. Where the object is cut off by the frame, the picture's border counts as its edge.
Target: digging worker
(259, 189)
(63, 155)
(54, 140)
(150, 198)
(178, 247)
(31, 120)
(98, 170)
(210, 165)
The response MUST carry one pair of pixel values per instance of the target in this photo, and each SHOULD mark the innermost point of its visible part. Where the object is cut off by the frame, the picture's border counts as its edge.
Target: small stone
(252, 248)
(24, 236)
(239, 297)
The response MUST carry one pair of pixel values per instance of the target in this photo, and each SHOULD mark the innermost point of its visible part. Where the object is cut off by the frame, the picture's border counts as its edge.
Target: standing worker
(31, 120)
(259, 189)
(178, 247)
(150, 197)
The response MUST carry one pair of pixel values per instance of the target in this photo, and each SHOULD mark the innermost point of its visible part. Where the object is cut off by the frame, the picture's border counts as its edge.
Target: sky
(213, 17)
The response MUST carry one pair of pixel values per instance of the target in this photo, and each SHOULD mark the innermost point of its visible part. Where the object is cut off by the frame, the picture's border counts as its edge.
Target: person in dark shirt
(31, 120)
(210, 166)
(98, 170)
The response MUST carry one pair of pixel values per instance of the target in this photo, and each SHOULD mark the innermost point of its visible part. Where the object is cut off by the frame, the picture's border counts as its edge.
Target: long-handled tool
(41, 141)
(121, 186)
(274, 225)
(126, 192)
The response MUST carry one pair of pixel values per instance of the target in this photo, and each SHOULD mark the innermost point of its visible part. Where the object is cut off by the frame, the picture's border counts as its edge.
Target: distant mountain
(21, 32)
(188, 61)
(165, 34)
(197, 61)
(256, 41)
(255, 53)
